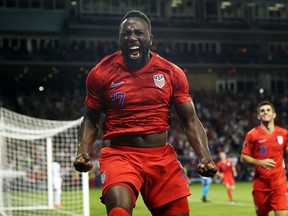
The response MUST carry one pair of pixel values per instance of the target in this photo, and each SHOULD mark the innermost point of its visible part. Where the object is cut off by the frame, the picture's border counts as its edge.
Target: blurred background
(234, 53)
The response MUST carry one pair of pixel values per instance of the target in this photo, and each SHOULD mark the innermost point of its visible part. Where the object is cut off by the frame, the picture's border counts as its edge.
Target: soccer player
(227, 172)
(57, 184)
(264, 147)
(136, 88)
(206, 183)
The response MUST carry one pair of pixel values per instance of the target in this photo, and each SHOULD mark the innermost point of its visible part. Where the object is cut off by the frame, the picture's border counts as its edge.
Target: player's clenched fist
(82, 163)
(207, 167)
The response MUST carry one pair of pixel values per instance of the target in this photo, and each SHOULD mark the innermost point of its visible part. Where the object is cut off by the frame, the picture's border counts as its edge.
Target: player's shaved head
(139, 14)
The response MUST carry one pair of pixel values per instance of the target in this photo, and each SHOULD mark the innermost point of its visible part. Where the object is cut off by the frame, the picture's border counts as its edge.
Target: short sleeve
(180, 87)
(94, 97)
(248, 144)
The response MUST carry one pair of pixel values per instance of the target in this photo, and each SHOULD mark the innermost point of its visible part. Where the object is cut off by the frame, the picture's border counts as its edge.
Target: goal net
(28, 148)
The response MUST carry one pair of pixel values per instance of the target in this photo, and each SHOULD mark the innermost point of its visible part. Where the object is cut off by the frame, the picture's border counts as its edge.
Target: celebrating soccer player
(264, 147)
(136, 88)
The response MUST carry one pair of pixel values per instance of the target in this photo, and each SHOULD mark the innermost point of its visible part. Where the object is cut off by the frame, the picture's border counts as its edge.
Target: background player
(206, 183)
(227, 172)
(136, 88)
(264, 147)
(57, 184)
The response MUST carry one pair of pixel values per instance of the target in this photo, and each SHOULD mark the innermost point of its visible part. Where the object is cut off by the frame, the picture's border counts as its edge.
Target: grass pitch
(218, 204)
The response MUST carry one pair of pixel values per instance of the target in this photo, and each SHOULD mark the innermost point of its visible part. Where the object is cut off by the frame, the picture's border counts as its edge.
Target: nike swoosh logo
(261, 141)
(113, 85)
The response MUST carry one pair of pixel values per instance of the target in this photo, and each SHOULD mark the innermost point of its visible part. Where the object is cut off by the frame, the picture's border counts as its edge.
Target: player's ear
(151, 39)
(258, 117)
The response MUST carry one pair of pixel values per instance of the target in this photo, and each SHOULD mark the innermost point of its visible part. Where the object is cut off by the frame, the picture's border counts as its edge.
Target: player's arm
(234, 170)
(266, 163)
(87, 135)
(197, 137)
(286, 154)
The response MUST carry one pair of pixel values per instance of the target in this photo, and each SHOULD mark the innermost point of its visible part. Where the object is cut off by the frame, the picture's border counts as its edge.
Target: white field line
(193, 200)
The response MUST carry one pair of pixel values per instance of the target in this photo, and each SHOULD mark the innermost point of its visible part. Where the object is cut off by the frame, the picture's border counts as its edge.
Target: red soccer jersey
(225, 167)
(138, 101)
(260, 145)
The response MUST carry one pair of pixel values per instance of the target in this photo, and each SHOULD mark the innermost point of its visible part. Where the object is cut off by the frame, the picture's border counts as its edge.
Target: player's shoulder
(219, 162)
(106, 62)
(165, 63)
(100, 72)
(253, 131)
(230, 160)
(281, 130)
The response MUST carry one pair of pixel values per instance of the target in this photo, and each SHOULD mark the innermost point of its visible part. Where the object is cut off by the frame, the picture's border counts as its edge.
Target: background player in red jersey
(136, 88)
(264, 147)
(227, 172)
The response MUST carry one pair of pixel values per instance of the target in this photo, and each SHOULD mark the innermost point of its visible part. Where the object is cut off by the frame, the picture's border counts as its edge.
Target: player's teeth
(135, 55)
(134, 47)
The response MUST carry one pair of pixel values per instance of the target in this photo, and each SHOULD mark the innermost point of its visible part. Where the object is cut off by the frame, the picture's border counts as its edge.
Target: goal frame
(5, 210)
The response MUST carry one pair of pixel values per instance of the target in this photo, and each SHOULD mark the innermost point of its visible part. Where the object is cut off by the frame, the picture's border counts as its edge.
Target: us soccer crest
(280, 140)
(159, 80)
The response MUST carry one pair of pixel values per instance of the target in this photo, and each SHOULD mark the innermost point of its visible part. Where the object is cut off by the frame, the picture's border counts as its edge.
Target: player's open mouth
(134, 52)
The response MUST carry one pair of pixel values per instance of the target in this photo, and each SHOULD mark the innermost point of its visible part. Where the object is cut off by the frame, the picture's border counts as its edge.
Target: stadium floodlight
(28, 147)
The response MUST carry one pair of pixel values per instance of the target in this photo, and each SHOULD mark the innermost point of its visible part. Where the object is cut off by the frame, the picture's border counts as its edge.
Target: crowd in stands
(80, 52)
(225, 116)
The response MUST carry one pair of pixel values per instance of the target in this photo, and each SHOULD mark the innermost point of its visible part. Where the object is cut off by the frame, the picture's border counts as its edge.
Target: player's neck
(268, 126)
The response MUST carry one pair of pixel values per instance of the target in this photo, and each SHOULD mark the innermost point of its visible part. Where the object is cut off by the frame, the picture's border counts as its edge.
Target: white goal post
(28, 148)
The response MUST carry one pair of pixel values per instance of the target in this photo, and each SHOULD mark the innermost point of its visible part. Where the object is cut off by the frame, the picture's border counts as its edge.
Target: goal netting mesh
(28, 148)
